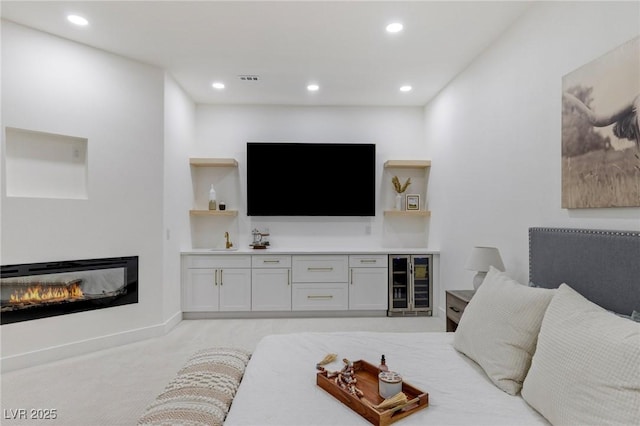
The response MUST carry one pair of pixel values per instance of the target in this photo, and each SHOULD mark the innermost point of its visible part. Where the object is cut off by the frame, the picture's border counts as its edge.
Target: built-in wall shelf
(408, 164)
(405, 213)
(213, 162)
(418, 172)
(209, 226)
(230, 213)
(45, 165)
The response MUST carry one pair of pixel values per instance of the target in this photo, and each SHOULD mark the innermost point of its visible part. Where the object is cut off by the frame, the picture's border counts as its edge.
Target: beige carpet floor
(114, 386)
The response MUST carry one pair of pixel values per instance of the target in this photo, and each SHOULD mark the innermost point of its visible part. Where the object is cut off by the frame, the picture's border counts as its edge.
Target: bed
(582, 365)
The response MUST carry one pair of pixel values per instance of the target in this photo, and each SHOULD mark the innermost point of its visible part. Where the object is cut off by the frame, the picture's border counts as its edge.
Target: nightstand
(457, 301)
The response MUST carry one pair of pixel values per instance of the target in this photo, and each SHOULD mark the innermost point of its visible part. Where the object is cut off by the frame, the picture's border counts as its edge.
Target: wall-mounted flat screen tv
(311, 179)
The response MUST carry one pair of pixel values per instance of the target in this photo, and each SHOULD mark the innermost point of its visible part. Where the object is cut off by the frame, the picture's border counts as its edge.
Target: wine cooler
(410, 285)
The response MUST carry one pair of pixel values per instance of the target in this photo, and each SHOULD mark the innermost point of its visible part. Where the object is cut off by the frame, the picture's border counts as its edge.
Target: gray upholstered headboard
(603, 266)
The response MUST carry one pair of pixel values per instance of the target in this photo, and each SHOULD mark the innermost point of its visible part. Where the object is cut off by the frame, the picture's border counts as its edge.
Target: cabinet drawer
(268, 261)
(213, 261)
(455, 308)
(320, 269)
(368, 261)
(320, 297)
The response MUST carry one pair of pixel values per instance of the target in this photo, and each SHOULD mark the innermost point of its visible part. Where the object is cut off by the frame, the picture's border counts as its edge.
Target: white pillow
(586, 369)
(500, 326)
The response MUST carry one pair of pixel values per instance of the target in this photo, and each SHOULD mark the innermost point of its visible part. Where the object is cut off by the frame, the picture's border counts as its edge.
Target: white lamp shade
(482, 257)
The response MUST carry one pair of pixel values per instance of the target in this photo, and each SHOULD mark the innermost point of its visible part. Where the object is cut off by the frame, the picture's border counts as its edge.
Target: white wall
(398, 132)
(57, 86)
(494, 136)
(179, 128)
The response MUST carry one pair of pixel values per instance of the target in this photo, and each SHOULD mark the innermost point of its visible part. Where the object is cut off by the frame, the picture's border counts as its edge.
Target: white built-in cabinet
(216, 283)
(368, 282)
(320, 283)
(201, 292)
(238, 283)
(271, 283)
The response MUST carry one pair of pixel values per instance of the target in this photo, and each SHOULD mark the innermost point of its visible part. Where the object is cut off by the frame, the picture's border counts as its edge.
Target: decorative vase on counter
(398, 205)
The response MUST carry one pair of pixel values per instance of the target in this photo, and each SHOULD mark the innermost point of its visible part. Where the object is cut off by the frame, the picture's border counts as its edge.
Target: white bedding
(279, 384)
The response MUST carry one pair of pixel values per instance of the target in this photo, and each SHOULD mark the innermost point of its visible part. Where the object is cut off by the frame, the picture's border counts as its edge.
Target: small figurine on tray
(344, 378)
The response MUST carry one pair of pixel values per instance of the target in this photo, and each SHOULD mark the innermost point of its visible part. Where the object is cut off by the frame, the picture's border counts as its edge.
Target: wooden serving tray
(367, 375)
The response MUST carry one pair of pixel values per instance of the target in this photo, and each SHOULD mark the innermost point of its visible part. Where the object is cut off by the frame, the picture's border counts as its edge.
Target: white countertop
(322, 250)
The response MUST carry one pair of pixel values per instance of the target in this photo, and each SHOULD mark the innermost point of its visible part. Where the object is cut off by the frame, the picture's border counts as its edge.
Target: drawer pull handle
(271, 261)
(367, 261)
(319, 269)
(454, 309)
(320, 297)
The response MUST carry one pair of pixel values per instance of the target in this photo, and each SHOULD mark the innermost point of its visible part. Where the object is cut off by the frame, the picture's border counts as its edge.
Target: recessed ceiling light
(406, 88)
(78, 20)
(218, 85)
(313, 87)
(394, 27)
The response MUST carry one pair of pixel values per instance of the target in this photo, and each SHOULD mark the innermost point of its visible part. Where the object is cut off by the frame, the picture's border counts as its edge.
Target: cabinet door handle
(221, 277)
(319, 269)
(288, 277)
(319, 297)
(215, 277)
(351, 275)
(454, 309)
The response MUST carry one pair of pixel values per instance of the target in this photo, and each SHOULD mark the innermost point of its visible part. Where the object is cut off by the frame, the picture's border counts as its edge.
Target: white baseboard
(172, 322)
(55, 353)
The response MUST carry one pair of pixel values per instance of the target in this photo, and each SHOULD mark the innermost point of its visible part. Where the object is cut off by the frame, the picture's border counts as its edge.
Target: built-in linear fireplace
(39, 290)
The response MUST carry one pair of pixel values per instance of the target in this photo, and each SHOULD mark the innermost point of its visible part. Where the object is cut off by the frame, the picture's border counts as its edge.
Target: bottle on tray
(383, 364)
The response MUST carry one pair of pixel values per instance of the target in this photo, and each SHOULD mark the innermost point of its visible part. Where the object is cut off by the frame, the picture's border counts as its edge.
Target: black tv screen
(311, 179)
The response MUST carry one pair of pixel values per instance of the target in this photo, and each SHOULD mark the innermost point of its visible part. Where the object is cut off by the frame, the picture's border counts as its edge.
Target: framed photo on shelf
(413, 202)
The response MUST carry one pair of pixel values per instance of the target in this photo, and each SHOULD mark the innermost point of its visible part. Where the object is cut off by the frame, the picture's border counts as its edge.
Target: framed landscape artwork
(413, 202)
(600, 135)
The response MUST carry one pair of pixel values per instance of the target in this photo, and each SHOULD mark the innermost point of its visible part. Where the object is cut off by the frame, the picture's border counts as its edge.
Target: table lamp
(480, 259)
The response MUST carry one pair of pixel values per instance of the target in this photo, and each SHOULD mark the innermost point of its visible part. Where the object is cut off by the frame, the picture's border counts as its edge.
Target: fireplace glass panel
(32, 291)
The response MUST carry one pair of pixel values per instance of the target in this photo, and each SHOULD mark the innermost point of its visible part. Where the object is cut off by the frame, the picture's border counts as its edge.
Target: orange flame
(39, 293)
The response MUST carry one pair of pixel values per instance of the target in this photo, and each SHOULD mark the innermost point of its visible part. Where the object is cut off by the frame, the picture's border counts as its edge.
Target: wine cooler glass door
(421, 287)
(400, 283)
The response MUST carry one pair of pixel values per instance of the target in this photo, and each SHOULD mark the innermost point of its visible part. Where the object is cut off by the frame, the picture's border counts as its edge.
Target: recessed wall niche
(45, 165)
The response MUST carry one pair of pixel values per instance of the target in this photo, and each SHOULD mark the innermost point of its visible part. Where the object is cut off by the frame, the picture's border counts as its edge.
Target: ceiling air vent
(249, 77)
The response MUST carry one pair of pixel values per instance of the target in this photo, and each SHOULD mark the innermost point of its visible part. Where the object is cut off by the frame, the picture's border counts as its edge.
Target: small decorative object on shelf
(222, 205)
(413, 202)
(212, 198)
(399, 188)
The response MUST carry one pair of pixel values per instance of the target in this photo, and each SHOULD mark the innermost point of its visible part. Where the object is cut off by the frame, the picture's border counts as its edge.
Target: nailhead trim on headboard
(578, 231)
